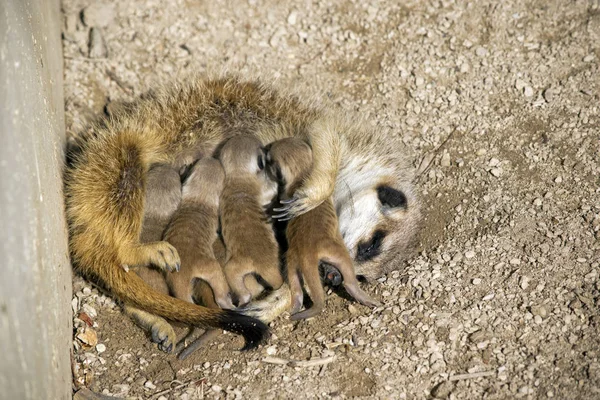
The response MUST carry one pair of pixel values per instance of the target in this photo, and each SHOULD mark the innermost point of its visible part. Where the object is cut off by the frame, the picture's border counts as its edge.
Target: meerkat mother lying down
(365, 171)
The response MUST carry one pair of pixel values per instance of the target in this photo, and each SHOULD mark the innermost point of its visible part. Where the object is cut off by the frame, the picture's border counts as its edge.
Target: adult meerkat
(252, 251)
(105, 182)
(312, 237)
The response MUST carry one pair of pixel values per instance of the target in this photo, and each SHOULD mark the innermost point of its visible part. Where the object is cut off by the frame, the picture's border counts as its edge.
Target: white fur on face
(358, 218)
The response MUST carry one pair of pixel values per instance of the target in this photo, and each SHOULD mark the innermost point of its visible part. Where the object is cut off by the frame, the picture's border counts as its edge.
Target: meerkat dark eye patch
(390, 197)
(368, 250)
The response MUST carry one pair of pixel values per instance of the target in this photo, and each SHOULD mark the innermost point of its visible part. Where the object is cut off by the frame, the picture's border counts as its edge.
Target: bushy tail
(131, 289)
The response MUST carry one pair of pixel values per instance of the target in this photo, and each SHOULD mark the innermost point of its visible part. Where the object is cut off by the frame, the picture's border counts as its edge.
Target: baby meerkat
(163, 195)
(193, 232)
(252, 251)
(312, 237)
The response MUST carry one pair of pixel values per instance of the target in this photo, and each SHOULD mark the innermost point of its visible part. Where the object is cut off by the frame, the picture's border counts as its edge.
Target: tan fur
(313, 236)
(193, 231)
(106, 179)
(250, 243)
(163, 195)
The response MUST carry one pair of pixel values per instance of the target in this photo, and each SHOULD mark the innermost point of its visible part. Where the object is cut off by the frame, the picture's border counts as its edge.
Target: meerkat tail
(270, 307)
(132, 290)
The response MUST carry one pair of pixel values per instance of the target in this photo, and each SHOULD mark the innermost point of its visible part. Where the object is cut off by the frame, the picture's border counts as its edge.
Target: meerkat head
(245, 156)
(203, 181)
(378, 224)
(289, 160)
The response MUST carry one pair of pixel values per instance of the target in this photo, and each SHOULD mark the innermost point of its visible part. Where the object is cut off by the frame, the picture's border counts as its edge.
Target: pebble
(271, 350)
(558, 179)
(97, 46)
(445, 161)
(100, 348)
(496, 172)
(216, 388)
(98, 14)
(149, 385)
(477, 281)
(292, 18)
(528, 91)
(469, 254)
(524, 284)
(539, 311)
(442, 390)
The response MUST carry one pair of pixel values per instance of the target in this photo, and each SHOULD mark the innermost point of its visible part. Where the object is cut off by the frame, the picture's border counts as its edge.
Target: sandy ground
(500, 300)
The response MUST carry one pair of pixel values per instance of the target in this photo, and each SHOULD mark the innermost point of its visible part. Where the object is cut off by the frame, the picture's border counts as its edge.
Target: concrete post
(35, 275)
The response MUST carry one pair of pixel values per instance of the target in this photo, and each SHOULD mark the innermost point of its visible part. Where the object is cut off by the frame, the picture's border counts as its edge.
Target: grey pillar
(35, 275)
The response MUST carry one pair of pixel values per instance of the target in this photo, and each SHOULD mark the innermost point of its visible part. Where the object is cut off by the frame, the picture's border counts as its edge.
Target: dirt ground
(501, 298)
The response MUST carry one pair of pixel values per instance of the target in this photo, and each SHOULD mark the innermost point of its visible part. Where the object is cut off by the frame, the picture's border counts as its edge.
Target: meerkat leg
(162, 332)
(314, 287)
(320, 182)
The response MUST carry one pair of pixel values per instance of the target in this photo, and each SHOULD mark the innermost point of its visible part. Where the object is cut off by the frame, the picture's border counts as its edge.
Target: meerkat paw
(164, 335)
(299, 204)
(162, 255)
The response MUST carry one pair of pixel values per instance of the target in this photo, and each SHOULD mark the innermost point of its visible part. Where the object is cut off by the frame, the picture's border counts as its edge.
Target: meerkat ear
(390, 197)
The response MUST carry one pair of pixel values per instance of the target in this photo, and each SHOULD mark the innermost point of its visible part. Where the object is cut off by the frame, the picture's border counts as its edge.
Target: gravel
(500, 298)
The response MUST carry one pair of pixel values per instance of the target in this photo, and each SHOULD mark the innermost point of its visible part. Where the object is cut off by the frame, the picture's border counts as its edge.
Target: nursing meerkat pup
(312, 237)
(252, 251)
(163, 195)
(105, 182)
(193, 232)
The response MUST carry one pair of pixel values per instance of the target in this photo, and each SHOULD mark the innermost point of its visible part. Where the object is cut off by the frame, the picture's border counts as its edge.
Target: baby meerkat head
(203, 181)
(245, 155)
(289, 161)
(379, 225)
(242, 154)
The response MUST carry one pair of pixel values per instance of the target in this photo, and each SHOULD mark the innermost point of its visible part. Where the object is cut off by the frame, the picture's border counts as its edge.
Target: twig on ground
(315, 362)
(474, 375)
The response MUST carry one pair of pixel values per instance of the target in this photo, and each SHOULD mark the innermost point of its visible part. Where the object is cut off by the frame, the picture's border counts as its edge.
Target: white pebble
(149, 385)
(528, 91)
(477, 281)
(216, 388)
(100, 348)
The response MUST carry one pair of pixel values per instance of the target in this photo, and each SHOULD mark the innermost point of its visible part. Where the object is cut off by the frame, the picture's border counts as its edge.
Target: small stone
(292, 18)
(589, 58)
(97, 46)
(520, 84)
(100, 348)
(537, 319)
(149, 385)
(216, 388)
(494, 162)
(496, 172)
(445, 161)
(558, 179)
(87, 291)
(481, 51)
(88, 337)
(524, 284)
(537, 202)
(442, 390)
(528, 91)
(469, 254)
(271, 350)
(477, 281)
(98, 14)
(549, 94)
(514, 261)
(539, 311)
(352, 309)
